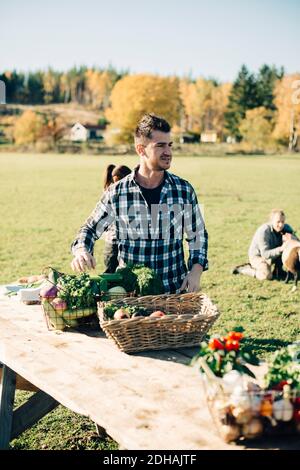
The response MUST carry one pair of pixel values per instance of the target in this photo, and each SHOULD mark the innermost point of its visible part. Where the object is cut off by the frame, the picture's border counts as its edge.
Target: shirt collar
(132, 175)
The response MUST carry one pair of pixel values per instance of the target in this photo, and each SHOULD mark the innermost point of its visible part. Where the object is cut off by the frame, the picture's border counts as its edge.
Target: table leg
(7, 397)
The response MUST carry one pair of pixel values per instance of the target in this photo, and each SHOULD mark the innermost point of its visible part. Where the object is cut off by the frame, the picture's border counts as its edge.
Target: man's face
(278, 222)
(158, 151)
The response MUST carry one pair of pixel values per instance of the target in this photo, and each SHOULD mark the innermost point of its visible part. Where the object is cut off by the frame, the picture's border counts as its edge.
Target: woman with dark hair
(112, 175)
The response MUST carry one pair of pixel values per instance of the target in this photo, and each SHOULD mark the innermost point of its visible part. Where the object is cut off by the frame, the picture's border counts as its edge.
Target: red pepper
(279, 387)
(232, 345)
(234, 335)
(215, 343)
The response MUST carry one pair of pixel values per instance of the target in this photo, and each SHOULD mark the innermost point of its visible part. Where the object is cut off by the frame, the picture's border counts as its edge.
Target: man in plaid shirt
(151, 209)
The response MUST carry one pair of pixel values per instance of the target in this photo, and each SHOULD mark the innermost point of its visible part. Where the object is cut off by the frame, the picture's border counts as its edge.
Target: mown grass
(45, 198)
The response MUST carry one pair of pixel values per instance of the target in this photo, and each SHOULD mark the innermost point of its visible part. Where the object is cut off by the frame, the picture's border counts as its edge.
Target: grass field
(45, 198)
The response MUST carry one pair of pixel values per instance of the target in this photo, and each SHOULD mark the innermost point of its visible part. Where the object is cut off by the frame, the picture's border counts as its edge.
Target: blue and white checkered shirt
(150, 236)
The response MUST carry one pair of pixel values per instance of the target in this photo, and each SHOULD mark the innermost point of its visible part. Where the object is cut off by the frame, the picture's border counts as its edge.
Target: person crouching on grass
(266, 248)
(153, 210)
(112, 174)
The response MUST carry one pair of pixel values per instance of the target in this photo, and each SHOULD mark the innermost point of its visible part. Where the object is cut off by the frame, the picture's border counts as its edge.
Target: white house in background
(82, 133)
(209, 137)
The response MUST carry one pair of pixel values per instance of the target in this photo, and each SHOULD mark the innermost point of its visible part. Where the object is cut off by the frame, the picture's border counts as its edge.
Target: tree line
(257, 107)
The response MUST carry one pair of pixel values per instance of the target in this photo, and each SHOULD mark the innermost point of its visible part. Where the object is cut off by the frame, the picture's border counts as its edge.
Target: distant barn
(83, 133)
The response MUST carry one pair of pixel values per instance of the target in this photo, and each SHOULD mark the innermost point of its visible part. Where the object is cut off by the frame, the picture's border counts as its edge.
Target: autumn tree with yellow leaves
(256, 128)
(135, 95)
(98, 87)
(204, 104)
(28, 128)
(287, 101)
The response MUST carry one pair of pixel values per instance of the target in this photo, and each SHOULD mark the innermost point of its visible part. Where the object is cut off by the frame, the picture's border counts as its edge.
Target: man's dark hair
(149, 123)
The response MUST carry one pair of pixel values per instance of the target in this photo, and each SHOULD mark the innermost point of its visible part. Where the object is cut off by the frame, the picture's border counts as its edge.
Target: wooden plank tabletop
(148, 400)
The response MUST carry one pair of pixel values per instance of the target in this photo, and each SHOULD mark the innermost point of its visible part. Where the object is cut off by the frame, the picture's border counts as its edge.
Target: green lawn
(45, 198)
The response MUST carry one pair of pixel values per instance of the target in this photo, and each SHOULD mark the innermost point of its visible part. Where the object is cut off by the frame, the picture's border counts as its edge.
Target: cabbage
(117, 290)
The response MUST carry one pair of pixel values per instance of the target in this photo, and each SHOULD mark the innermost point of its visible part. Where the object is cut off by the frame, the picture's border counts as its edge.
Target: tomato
(215, 343)
(280, 385)
(232, 345)
(234, 335)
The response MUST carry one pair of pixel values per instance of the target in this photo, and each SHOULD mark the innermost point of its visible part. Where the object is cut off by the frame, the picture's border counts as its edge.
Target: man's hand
(286, 237)
(192, 280)
(83, 260)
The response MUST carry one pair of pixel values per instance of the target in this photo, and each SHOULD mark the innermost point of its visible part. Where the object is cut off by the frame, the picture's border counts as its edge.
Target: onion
(48, 291)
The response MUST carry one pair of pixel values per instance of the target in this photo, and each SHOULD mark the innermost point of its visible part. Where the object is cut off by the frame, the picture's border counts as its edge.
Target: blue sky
(202, 38)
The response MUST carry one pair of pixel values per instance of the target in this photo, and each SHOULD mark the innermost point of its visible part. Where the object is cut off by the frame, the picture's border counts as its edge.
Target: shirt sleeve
(96, 224)
(196, 233)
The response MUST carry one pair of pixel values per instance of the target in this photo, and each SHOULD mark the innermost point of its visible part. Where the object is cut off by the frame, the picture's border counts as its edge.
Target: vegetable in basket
(77, 291)
(141, 279)
(284, 368)
(226, 353)
(242, 409)
(118, 312)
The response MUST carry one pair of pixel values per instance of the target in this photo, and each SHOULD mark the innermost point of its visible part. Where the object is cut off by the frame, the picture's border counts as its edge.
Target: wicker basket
(253, 413)
(188, 318)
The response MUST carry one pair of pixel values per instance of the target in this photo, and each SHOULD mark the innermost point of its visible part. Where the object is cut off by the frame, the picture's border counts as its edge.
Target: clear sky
(209, 38)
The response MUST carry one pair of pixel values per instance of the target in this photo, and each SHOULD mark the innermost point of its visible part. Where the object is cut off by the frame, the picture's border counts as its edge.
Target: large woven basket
(188, 318)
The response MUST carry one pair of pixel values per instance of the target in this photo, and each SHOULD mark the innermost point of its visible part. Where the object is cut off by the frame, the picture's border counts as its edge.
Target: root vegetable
(241, 415)
(59, 305)
(252, 429)
(121, 314)
(157, 314)
(48, 291)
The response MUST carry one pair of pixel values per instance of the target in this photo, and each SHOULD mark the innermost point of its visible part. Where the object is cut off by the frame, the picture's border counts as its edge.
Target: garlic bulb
(283, 409)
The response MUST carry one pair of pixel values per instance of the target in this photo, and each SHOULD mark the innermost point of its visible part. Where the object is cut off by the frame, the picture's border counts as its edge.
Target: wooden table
(149, 400)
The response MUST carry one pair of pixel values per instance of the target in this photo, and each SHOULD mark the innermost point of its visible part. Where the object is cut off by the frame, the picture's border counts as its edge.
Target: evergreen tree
(266, 79)
(15, 88)
(243, 96)
(34, 88)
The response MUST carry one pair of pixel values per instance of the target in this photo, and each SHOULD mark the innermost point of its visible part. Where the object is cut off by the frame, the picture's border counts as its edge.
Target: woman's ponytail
(108, 180)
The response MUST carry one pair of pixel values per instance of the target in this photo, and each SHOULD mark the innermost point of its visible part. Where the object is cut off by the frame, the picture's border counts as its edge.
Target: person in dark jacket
(266, 248)
(112, 175)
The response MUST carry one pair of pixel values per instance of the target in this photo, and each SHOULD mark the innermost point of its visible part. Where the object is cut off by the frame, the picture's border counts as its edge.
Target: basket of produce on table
(71, 300)
(160, 321)
(241, 407)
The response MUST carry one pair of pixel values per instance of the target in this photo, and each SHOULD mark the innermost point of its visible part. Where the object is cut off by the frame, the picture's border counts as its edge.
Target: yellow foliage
(99, 85)
(287, 93)
(256, 128)
(204, 104)
(135, 95)
(28, 128)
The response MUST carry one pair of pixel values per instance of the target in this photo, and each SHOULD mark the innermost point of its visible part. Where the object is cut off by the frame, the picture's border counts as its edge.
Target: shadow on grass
(264, 345)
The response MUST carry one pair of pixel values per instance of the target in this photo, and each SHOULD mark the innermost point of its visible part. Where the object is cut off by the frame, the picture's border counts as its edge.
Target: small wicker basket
(188, 318)
(251, 413)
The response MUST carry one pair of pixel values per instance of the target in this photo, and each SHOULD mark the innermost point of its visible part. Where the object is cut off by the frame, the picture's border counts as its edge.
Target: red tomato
(235, 335)
(215, 343)
(232, 345)
(279, 386)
